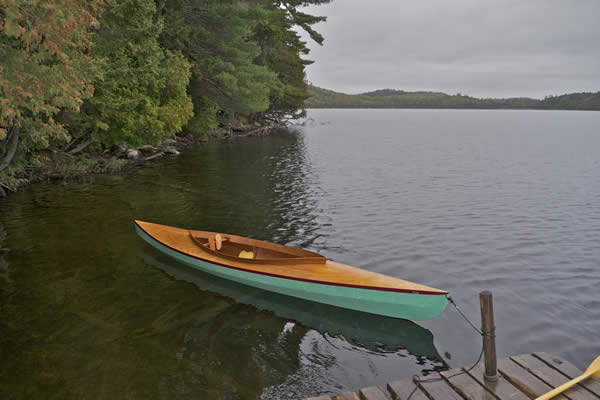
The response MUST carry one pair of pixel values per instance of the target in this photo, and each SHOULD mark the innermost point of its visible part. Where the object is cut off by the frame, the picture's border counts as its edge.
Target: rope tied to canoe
(417, 379)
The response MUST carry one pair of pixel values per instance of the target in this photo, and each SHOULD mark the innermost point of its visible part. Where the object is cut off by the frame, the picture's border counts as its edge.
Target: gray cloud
(482, 48)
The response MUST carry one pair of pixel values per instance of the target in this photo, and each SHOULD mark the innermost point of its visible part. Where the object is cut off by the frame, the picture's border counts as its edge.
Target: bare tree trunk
(81, 146)
(231, 120)
(72, 143)
(12, 142)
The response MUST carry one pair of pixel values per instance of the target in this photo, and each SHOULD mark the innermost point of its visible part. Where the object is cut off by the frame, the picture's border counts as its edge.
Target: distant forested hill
(389, 98)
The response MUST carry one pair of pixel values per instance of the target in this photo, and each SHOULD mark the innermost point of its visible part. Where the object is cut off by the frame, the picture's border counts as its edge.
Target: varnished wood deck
(522, 377)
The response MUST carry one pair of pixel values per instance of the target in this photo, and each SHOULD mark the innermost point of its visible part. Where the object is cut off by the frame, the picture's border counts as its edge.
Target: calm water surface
(461, 200)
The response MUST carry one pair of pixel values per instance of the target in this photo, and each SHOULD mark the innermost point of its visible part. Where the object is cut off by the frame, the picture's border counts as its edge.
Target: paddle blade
(594, 368)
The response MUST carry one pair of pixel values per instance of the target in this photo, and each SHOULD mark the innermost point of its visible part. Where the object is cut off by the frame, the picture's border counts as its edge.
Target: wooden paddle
(592, 371)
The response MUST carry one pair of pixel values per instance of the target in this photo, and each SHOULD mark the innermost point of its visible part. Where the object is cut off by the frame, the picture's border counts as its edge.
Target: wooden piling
(489, 336)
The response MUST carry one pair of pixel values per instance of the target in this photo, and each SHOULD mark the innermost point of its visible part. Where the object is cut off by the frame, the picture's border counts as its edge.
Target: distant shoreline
(399, 99)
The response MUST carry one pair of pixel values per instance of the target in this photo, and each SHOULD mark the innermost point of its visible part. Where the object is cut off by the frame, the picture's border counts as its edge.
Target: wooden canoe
(296, 272)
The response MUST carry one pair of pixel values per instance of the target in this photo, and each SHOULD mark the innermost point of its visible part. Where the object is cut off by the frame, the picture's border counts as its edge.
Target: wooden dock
(521, 377)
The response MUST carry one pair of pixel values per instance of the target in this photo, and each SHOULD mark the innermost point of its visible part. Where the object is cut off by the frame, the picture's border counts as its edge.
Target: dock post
(489, 336)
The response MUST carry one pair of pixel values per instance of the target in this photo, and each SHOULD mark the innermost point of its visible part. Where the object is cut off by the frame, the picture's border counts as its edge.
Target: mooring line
(418, 381)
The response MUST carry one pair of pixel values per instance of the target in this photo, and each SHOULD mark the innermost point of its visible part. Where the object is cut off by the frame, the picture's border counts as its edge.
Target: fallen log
(154, 156)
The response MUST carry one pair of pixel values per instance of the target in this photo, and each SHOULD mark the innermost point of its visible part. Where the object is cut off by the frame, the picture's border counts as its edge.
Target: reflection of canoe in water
(295, 272)
(373, 332)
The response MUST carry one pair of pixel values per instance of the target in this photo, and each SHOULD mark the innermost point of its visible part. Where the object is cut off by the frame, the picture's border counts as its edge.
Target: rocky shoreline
(64, 166)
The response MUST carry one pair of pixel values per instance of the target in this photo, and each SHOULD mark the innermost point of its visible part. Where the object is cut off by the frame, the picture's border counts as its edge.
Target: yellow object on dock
(593, 371)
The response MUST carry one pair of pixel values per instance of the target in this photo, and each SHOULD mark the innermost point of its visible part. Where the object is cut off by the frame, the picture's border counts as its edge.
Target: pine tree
(141, 93)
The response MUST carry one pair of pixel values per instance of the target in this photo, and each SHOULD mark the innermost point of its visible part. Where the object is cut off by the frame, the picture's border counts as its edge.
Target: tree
(303, 20)
(281, 50)
(246, 57)
(141, 91)
(45, 66)
(214, 36)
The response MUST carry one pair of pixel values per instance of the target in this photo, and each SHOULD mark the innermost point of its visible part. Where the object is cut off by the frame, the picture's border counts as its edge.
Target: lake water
(460, 200)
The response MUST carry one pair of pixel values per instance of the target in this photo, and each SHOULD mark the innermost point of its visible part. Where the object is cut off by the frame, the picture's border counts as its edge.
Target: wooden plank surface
(439, 389)
(551, 376)
(401, 390)
(501, 389)
(347, 395)
(569, 370)
(523, 380)
(521, 377)
(465, 384)
(374, 393)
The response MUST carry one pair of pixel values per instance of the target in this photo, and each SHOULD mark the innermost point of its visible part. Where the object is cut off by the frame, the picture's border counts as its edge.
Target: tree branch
(5, 186)
(72, 142)
(82, 146)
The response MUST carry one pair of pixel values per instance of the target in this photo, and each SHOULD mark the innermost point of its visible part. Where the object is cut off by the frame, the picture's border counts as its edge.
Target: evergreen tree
(141, 93)
(214, 36)
(246, 57)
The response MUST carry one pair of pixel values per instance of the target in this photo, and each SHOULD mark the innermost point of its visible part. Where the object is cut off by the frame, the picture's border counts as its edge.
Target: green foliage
(205, 111)
(141, 95)
(224, 61)
(303, 20)
(214, 37)
(45, 67)
(245, 60)
(281, 48)
(97, 73)
(388, 98)
(575, 101)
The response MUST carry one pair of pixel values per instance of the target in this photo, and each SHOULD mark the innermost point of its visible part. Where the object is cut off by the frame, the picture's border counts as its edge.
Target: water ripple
(462, 200)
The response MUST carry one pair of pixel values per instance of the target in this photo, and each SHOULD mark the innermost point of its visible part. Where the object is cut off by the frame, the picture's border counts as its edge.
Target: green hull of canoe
(411, 306)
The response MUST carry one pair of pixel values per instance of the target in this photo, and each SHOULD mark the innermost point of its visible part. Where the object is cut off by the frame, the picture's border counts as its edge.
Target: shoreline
(447, 108)
(62, 166)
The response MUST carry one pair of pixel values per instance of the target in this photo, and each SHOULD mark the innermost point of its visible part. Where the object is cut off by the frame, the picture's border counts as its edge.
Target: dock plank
(502, 388)
(529, 384)
(551, 376)
(569, 370)
(439, 389)
(347, 395)
(466, 385)
(374, 393)
(520, 377)
(401, 390)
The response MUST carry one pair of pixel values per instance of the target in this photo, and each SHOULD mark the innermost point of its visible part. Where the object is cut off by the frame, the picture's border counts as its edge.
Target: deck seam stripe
(295, 279)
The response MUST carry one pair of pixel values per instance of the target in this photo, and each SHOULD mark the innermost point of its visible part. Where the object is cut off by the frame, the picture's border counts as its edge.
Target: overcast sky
(482, 48)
